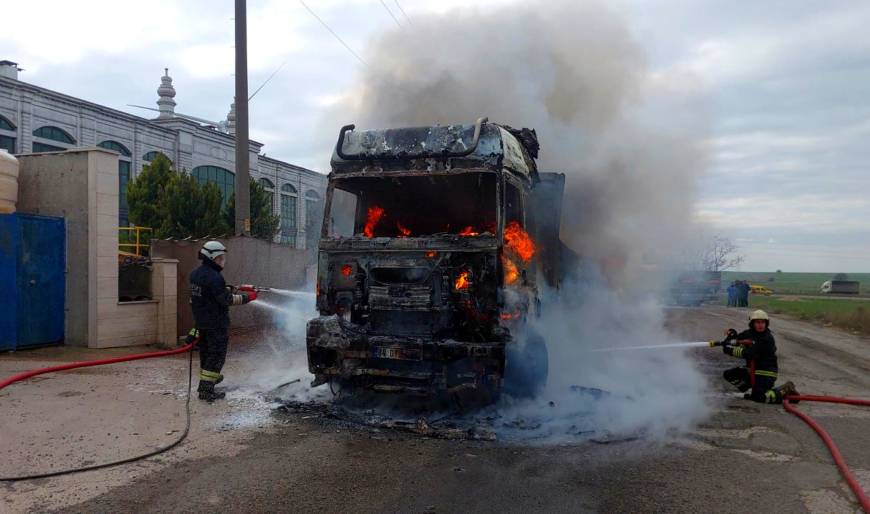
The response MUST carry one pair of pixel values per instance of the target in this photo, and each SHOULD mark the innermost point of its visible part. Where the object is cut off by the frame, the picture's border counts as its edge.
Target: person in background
(732, 295)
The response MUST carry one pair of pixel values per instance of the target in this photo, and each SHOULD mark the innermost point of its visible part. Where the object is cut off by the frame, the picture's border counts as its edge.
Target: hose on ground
(832, 447)
(84, 364)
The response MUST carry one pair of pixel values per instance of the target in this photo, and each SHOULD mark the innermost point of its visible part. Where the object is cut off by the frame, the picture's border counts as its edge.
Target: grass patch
(848, 314)
(792, 283)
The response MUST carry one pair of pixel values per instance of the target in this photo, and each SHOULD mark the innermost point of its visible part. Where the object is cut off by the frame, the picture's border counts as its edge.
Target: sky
(784, 83)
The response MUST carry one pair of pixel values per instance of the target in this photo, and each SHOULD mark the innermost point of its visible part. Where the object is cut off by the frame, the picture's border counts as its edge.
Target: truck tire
(526, 366)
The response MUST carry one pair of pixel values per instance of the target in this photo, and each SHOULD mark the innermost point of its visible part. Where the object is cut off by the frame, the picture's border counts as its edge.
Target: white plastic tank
(8, 182)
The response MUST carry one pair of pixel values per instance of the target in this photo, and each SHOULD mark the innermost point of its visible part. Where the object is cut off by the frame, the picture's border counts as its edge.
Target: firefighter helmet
(759, 314)
(212, 250)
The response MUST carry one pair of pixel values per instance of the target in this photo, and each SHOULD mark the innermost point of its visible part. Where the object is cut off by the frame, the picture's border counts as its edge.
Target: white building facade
(34, 119)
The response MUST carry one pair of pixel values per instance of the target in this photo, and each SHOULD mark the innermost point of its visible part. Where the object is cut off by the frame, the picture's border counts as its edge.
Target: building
(34, 119)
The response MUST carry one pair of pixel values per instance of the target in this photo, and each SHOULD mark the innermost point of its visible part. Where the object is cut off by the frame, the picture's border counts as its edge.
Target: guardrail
(132, 241)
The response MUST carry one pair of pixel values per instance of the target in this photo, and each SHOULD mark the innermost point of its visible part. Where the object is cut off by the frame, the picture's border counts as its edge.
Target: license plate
(382, 352)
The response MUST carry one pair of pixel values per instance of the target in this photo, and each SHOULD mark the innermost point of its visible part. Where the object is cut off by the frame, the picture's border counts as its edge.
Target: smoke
(630, 140)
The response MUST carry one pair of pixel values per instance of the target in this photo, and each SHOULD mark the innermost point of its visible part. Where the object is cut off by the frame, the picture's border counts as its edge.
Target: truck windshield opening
(412, 206)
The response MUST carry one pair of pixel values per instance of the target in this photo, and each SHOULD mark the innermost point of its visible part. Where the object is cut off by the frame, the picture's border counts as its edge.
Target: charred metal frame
(341, 349)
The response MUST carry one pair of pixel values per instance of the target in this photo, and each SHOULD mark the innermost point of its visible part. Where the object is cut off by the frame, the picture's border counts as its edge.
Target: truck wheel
(526, 366)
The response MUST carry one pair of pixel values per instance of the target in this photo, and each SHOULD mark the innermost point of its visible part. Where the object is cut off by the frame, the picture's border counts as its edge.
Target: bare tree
(720, 255)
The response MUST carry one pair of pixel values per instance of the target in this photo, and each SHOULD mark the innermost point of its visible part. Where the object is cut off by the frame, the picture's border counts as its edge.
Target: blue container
(32, 280)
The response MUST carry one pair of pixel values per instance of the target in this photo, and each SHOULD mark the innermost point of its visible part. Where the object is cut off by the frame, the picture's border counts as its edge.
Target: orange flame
(461, 281)
(403, 232)
(508, 316)
(346, 270)
(431, 254)
(511, 274)
(469, 231)
(375, 214)
(519, 241)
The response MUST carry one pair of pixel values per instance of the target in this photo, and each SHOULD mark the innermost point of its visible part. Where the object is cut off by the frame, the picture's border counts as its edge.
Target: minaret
(231, 119)
(167, 93)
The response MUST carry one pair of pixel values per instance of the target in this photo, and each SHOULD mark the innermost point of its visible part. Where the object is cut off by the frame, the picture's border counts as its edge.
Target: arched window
(224, 179)
(53, 134)
(150, 156)
(115, 146)
(312, 209)
(288, 214)
(124, 166)
(270, 192)
(7, 138)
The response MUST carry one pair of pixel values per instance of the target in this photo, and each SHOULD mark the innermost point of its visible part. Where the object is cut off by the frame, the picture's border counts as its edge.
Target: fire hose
(847, 474)
(84, 364)
(832, 447)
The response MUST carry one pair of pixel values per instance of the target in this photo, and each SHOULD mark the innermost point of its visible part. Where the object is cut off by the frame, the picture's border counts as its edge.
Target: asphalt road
(745, 458)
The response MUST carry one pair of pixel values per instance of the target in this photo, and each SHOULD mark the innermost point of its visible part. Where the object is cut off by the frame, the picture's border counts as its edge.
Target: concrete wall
(82, 187)
(57, 185)
(249, 261)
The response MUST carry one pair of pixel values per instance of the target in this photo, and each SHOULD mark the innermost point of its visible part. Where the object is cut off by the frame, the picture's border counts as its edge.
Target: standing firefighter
(210, 300)
(758, 347)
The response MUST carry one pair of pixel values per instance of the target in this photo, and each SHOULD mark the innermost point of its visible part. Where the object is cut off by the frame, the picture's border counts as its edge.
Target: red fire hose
(835, 452)
(84, 364)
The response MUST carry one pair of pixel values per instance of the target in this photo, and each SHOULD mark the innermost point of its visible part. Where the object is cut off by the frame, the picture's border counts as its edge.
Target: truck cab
(431, 260)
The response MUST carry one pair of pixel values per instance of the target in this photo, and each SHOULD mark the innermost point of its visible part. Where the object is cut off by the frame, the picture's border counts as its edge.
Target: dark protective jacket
(210, 299)
(762, 350)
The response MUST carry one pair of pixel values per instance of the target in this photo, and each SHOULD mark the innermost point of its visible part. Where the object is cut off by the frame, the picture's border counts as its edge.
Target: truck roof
(437, 148)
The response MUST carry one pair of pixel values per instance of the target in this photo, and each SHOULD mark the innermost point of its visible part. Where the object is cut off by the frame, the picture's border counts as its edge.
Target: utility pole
(243, 174)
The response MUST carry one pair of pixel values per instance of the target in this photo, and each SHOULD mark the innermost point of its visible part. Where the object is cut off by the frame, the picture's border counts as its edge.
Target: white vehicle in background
(840, 287)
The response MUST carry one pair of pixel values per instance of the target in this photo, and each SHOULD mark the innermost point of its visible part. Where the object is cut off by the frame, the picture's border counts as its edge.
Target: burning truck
(436, 245)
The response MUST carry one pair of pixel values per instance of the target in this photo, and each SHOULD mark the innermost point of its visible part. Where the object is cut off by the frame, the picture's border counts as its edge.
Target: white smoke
(629, 140)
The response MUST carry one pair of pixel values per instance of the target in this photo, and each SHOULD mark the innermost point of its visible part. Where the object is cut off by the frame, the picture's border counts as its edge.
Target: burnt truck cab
(431, 259)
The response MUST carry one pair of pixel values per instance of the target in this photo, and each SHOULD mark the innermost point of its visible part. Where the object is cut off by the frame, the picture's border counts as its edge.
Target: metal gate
(32, 275)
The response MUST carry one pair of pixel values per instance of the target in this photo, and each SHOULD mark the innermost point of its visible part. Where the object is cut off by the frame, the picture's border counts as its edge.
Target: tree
(189, 209)
(264, 224)
(145, 191)
(720, 255)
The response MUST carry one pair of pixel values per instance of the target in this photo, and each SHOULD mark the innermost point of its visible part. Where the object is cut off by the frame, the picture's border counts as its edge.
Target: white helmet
(212, 250)
(759, 314)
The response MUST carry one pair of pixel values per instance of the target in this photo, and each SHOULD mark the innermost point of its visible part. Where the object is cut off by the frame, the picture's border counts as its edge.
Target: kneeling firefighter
(210, 299)
(758, 347)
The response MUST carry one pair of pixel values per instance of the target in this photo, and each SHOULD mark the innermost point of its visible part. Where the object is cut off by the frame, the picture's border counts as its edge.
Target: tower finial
(166, 94)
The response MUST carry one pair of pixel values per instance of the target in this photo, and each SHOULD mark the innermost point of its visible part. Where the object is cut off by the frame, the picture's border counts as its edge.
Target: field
(849, 314)
(793, 283)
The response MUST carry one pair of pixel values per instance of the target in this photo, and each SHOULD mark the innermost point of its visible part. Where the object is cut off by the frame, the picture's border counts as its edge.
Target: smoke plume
(629, 140)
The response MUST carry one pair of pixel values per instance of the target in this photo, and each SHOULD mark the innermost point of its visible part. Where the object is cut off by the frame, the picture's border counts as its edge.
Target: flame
(431, 254)
(461, 281)
(469, 231)
(375, 214)
(346, 270)
(508, 316)
(511, 274)
(403, 231)
(519, 241)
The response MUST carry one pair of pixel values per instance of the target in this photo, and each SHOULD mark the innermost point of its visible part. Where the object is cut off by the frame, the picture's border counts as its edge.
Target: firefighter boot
(207, 392)
(788, 389)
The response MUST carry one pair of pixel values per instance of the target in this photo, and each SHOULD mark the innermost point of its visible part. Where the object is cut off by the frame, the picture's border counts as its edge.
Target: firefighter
(210, 299)
(758, 347)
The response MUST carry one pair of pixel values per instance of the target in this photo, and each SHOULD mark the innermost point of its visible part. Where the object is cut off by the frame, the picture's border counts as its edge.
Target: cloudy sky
(787, 83)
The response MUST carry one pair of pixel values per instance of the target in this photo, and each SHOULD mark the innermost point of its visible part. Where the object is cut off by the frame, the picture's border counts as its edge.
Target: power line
(266, 81)
(336, 36)
(403, 12)
(393, 16)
